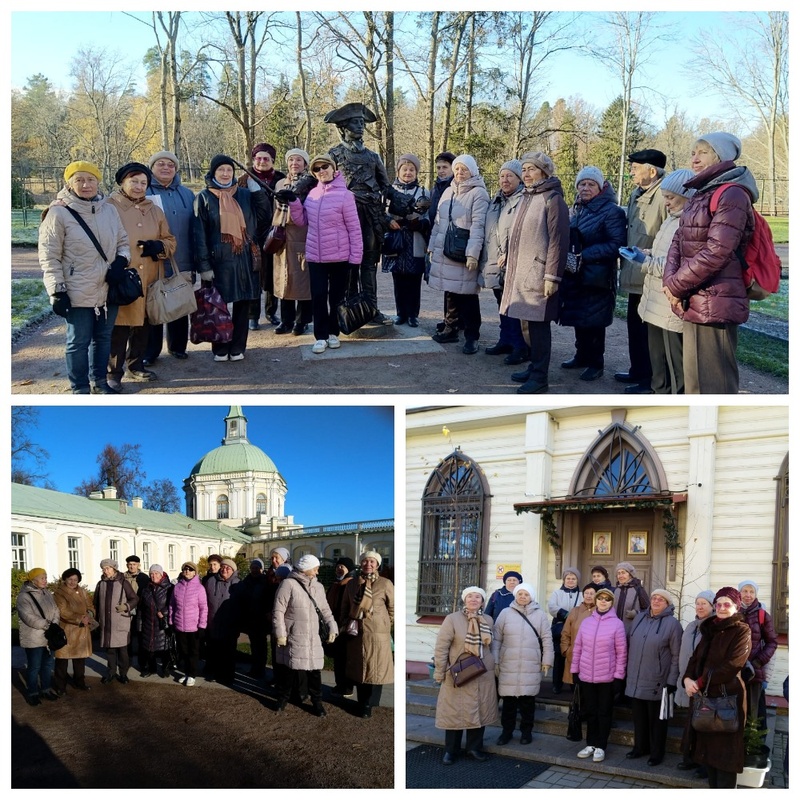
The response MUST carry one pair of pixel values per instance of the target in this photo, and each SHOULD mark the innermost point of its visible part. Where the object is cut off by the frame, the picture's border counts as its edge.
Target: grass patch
(776, 305)
(29, 303)
(25, 227)
(780, 229)
(763, 352)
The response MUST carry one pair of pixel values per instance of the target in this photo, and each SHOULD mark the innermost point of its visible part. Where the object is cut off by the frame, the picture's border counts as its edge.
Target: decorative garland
(671, 536)
(550, 529)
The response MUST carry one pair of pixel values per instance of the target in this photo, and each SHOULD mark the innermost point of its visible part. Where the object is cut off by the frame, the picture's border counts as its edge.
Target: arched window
(454, 524)
(223, 509)
(261, 504)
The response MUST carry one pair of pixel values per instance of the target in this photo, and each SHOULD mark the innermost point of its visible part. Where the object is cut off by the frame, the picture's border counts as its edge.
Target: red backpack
(761, 266)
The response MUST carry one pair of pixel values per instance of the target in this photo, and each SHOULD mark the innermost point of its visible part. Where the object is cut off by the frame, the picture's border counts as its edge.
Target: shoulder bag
(169, 298)
(536, 633)
(466, 669)
(323, 626)
(124, 284)
(574, 725)
(715, 714)
(55, 634)
(355, 311)
(276, 238)
(455, 239)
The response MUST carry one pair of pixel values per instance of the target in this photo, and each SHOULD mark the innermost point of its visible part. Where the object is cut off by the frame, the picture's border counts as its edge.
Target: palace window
(73, 552)
(171, 557)
(223, 509)
(113, 549)
(261, 504)
(19, 552)
(146, 557)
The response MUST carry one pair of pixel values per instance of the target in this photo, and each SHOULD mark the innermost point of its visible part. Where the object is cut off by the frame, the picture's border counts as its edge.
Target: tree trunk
(302, 73)
(463, 19)
(470, 80)
(389, 116)
(430, 109)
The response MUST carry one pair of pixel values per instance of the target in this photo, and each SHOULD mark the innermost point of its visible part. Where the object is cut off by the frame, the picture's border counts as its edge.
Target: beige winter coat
(32, 624)
(115, 626)
(74, 604)
(142, 221)
(646, 213)
(475, 704)
(69, 260)
(654, 308)
(289, 268)
(569, 633)
(369, 655)
(498, 223)
(294, 617)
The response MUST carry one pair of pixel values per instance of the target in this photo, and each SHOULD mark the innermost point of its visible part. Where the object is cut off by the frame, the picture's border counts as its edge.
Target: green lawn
(763, 352)
(29, 303)
(780, 229)
(25, 226)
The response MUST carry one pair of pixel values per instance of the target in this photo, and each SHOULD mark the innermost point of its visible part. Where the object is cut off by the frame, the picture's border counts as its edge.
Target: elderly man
(223, 623)
(177, 203)
(115, 600)
(646, 213)
(137, 580)
(254, 620)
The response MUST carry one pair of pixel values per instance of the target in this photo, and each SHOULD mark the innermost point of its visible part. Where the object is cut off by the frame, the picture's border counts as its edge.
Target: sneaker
(586, 752)
(599, 754)
(320, 346)
(190, 681)
(237, 357)
(221, 358)
(333, 342)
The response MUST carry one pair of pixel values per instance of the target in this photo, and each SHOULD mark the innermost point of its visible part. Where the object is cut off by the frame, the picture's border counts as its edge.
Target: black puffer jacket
(155, 597)
(233, 272)
(597, 230)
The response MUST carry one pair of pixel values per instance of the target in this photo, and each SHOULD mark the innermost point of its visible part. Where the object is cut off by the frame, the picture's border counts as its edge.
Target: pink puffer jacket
(188, 607)
(334, 230)
(601, 652)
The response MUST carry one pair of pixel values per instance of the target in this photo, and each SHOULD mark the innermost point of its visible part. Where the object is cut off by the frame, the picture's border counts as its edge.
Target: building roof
(234, 457)
(32, 501)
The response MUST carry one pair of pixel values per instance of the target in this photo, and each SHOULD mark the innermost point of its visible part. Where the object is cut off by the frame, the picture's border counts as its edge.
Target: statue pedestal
(371, 331)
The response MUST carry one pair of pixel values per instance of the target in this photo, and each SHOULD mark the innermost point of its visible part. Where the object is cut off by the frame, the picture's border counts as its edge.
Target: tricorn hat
(340, 115)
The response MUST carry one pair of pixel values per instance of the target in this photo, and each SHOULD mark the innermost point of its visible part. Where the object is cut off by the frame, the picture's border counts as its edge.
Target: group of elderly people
(544, 261)
(613, 643)
(352, 622)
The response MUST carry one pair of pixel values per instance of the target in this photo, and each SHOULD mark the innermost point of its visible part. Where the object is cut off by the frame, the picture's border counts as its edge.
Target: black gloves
(422, 205)
(151, 248)
(671, 689)
(285, 196)
(115, 274)
(60, 303)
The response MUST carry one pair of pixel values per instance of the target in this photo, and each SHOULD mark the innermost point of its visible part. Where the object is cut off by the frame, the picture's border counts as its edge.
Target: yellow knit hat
(82, 166)
(36, 572)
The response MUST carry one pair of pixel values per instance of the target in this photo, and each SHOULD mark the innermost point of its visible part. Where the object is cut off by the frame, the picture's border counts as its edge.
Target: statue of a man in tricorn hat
(366, 177)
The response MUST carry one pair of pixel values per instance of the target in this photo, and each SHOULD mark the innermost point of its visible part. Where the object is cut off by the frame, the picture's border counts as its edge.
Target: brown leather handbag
(466, 669)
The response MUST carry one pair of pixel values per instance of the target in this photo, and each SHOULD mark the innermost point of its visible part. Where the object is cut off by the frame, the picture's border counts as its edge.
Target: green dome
(234, 457)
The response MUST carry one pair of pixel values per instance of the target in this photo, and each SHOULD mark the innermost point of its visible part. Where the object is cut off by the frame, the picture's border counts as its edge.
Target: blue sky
(664, 84)
(338, 462)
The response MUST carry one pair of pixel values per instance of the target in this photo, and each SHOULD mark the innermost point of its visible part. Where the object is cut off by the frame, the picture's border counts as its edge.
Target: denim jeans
(88, 345)
(40, 667)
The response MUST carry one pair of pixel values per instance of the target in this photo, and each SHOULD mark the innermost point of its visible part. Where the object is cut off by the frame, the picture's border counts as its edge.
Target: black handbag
(466, 669)
(715, 714)
(574, 727)
(393, 242)
(455, 239)
(54, 633)
(354, 312)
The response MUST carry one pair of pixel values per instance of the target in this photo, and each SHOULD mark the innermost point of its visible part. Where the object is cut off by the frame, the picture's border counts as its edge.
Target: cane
(265, 186)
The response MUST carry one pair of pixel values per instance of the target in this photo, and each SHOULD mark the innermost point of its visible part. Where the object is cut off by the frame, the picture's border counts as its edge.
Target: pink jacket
(601, 652)
(188, 607)
(334, 230)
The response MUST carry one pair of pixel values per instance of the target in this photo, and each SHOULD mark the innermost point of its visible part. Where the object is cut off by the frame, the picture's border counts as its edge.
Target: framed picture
(637, 543)
(601, 543)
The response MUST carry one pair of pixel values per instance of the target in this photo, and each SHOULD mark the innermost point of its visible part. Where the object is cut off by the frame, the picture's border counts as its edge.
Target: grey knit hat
(514, 166)
(628, 567)
(410, 157)
(727, 146)
(543, 162)
(674, 182)
(296, 151)
(108, 562)
(590, 174)
(156, 568)
(573, 570)
(163, 154)
(707, 595)
(748, 582)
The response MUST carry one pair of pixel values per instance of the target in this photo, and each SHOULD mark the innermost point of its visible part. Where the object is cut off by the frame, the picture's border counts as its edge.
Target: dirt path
(405, 361)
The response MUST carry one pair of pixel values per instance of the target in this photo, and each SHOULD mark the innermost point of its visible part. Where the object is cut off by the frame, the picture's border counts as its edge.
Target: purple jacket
(334, 230)
(764, 640)
(601, 652)
(188, 607)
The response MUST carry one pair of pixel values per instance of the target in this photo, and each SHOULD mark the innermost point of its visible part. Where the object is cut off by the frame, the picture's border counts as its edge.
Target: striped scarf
(479, 633)
(364, 596)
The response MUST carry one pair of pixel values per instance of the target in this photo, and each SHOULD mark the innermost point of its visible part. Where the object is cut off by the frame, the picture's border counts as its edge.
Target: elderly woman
(536, 254)
(473, 706)
(177, 202)
(703, 275)
(405, 258)
(561, 602)
(664, 329)
(630, 597)
(188, 615)
(153, 611)
(300, 612)
(598, 663)
(654, 644)
(77, 619)
(504, 596)
(598, 228)
(370, 664)
(715, 669)
(223, 623)
(263, 157)
(229, 226)
(114, 600)
(491, 274)
(571, 625)
(75, 273)
(37, 610)
(464, 204)
(522, 648)
(334, 246)
(151, 242)
(290, 271)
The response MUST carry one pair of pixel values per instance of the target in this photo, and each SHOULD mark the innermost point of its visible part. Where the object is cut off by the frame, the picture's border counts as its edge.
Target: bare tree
(24, 450)
(117, 466)
(455, 62)
(161, 495)
(754, 68)
(301, 72)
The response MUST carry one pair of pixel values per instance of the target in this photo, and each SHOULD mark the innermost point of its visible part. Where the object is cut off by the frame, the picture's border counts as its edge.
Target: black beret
(133, 168)
(654, 157)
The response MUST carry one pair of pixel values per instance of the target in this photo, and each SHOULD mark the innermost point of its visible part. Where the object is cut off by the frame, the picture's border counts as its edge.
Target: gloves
(121, 608)
(632, 254)
(120, 262)
(576, 678)
(331, 638)
(618, 685)
(550, 288)
(422, 205)
(207, 275)
(151, 248)
(61, 303)
(472, 263)
(285, 196)
(671, 689)
(561, 615)
(281, 640)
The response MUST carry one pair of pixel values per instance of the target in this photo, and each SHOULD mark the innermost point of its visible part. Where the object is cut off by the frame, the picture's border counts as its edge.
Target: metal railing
(340, 528)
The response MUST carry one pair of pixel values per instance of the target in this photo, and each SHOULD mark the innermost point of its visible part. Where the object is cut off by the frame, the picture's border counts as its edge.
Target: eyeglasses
(320, 167)
(187, 569)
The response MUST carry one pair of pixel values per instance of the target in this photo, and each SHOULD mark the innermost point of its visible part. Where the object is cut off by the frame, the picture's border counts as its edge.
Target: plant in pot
(756, 753)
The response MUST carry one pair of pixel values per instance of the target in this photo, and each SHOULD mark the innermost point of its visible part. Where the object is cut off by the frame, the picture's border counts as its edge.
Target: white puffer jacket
(654, 308)
(68, 258)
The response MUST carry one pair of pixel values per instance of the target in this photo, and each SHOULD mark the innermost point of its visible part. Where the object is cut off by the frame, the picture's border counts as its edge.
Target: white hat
(470, 590)
(307, 562)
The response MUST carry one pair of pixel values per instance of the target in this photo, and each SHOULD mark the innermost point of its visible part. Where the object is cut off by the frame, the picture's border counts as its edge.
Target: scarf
(479, 633)
(134, 201)
(364, 595)
(231, 219)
